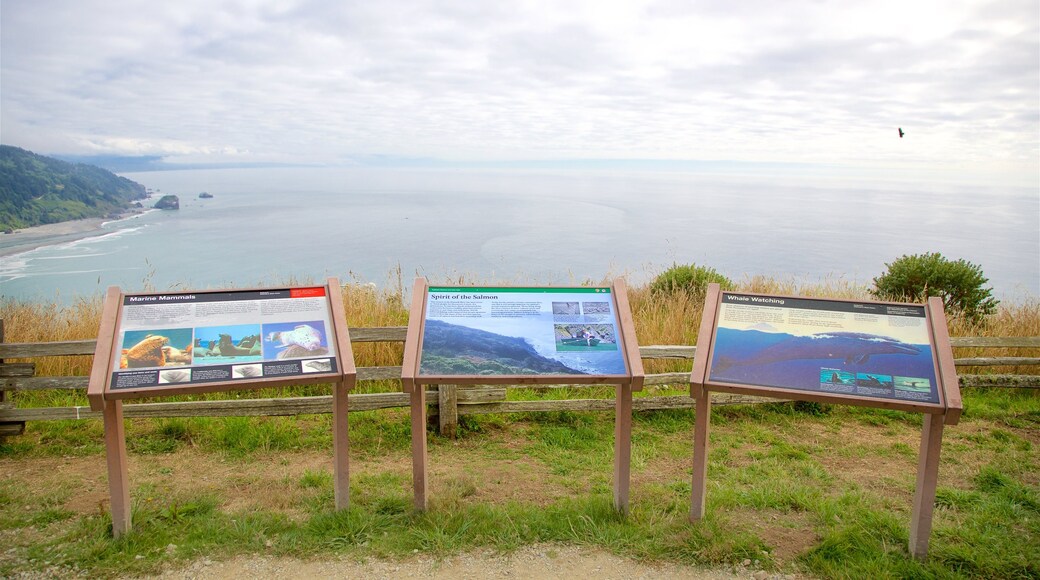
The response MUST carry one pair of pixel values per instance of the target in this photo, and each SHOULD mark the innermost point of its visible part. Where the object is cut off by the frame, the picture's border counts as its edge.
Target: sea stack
(168, 202)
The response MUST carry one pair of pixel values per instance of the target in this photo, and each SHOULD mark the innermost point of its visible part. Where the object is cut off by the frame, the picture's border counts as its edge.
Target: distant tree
(960, 284)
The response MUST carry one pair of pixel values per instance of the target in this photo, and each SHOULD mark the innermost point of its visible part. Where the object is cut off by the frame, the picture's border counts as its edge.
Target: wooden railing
(448, 402)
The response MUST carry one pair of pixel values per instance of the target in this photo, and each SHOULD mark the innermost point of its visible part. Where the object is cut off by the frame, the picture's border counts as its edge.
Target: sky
(348, 82)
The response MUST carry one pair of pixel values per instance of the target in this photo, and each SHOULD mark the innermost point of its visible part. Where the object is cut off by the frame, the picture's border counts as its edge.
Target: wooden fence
(447, 402)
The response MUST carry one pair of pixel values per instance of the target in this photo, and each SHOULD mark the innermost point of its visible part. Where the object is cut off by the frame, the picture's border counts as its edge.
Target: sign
(859, 349)
(191, 339)
(876, 354)
(465, 335)
(520, 331)
(152, 345)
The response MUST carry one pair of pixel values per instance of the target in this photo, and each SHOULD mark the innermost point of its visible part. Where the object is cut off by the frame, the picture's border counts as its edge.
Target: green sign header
(580, 290)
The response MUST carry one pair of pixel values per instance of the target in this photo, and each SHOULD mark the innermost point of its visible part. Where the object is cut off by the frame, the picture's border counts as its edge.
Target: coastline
(28, 239)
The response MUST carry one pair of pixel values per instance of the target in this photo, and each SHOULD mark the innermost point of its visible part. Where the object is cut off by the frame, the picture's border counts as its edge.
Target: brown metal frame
(412, 382)
(946, 412)
(110, 403)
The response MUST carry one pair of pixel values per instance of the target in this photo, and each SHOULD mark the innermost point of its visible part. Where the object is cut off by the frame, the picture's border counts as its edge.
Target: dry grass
(660, 319)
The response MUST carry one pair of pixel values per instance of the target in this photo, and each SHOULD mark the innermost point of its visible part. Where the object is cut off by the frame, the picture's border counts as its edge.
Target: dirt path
(534, 562)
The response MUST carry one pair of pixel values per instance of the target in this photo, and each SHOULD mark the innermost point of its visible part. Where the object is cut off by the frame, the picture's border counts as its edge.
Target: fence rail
(447, 402)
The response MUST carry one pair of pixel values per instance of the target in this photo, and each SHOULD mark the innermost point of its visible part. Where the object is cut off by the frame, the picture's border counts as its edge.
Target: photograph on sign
(826, 346)
(205, 337)
(520, 331)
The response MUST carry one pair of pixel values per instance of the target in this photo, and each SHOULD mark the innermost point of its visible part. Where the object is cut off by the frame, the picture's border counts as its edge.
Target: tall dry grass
(661, 319)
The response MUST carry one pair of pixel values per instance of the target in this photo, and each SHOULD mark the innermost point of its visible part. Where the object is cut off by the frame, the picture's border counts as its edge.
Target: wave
(6, 275)
(58, 246)
(12, 265)
(92, 239)
(129, 217)
(75, 256)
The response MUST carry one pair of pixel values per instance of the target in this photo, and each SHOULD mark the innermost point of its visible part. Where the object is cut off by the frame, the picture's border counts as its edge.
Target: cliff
(37, 190)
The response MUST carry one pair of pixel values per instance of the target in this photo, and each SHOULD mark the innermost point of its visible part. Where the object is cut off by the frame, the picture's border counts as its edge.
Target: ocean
(277, 226)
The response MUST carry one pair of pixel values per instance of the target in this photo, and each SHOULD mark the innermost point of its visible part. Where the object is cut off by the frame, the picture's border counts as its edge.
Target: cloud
(327, 82)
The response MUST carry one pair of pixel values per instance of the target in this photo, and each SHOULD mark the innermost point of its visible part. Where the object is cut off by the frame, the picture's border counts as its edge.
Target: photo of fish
(229, 343)
(289, 340)
(156, 348)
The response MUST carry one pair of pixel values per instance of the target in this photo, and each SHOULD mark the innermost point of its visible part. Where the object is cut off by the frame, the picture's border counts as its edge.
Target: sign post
(155, 345)
(872, 354)
(522, 336)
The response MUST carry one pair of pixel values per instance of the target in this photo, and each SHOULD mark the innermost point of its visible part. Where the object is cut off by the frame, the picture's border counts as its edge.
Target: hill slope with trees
(37, 190)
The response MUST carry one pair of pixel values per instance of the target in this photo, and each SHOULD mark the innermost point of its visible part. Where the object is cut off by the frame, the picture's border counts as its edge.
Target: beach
(27, 239)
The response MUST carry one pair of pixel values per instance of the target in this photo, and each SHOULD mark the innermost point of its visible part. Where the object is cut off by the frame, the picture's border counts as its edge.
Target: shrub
(689, 278)
(959, 284)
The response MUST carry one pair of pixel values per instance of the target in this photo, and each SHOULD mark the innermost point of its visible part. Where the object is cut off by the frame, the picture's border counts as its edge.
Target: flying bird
(900, 132)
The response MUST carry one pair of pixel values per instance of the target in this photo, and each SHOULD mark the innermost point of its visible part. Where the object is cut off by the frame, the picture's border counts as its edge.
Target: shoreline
(35, 237)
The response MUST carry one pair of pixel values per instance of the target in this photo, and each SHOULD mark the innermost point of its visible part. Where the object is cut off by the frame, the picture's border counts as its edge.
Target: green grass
(791, 488)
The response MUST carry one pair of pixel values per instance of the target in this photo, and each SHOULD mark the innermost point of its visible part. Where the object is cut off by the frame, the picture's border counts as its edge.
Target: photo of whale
(824, 361)
(852, 347)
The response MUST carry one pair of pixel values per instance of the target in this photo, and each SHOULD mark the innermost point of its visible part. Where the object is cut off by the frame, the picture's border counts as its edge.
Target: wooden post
(927, 479)
(447, 410)
(118, 480)
(622, 446)
(418, 401)
(702, 419)
(15, 427)
(340, 446)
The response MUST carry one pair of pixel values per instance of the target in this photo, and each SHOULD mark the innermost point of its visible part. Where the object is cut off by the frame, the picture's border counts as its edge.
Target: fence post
(7, 429)
(447, 410)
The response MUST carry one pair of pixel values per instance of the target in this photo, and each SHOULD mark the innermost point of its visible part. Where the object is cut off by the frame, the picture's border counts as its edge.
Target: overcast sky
(332, 82)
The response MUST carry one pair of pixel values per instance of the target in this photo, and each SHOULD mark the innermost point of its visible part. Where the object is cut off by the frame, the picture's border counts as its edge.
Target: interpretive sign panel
(876, 354)
(465, 335)
(861, 349)
(190, 340)
(520, 331)
(152, 345)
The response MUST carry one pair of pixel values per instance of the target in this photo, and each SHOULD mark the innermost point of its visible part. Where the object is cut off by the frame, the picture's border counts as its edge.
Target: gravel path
(533, 562)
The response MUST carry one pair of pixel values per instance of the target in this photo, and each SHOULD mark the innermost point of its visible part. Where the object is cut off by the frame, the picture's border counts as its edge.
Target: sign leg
(340, 446)
(622, 446)
(927, 479)
(698, 489)
(419, 445)
(118, 480)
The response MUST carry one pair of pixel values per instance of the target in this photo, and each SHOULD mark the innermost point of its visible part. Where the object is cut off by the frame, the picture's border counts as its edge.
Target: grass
(815, 489)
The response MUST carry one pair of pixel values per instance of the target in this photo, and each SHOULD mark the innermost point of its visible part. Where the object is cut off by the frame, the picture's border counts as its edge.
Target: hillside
(458, 350)
(36, 190)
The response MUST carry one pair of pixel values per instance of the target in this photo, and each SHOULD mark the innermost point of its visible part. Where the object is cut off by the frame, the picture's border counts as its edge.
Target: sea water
(276, 226)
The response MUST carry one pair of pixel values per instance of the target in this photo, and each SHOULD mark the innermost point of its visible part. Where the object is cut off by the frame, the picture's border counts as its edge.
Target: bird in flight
(900, 132)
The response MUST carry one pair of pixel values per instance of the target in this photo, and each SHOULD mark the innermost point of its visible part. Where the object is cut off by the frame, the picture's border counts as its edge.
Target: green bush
(689, 278)
(958, 283)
